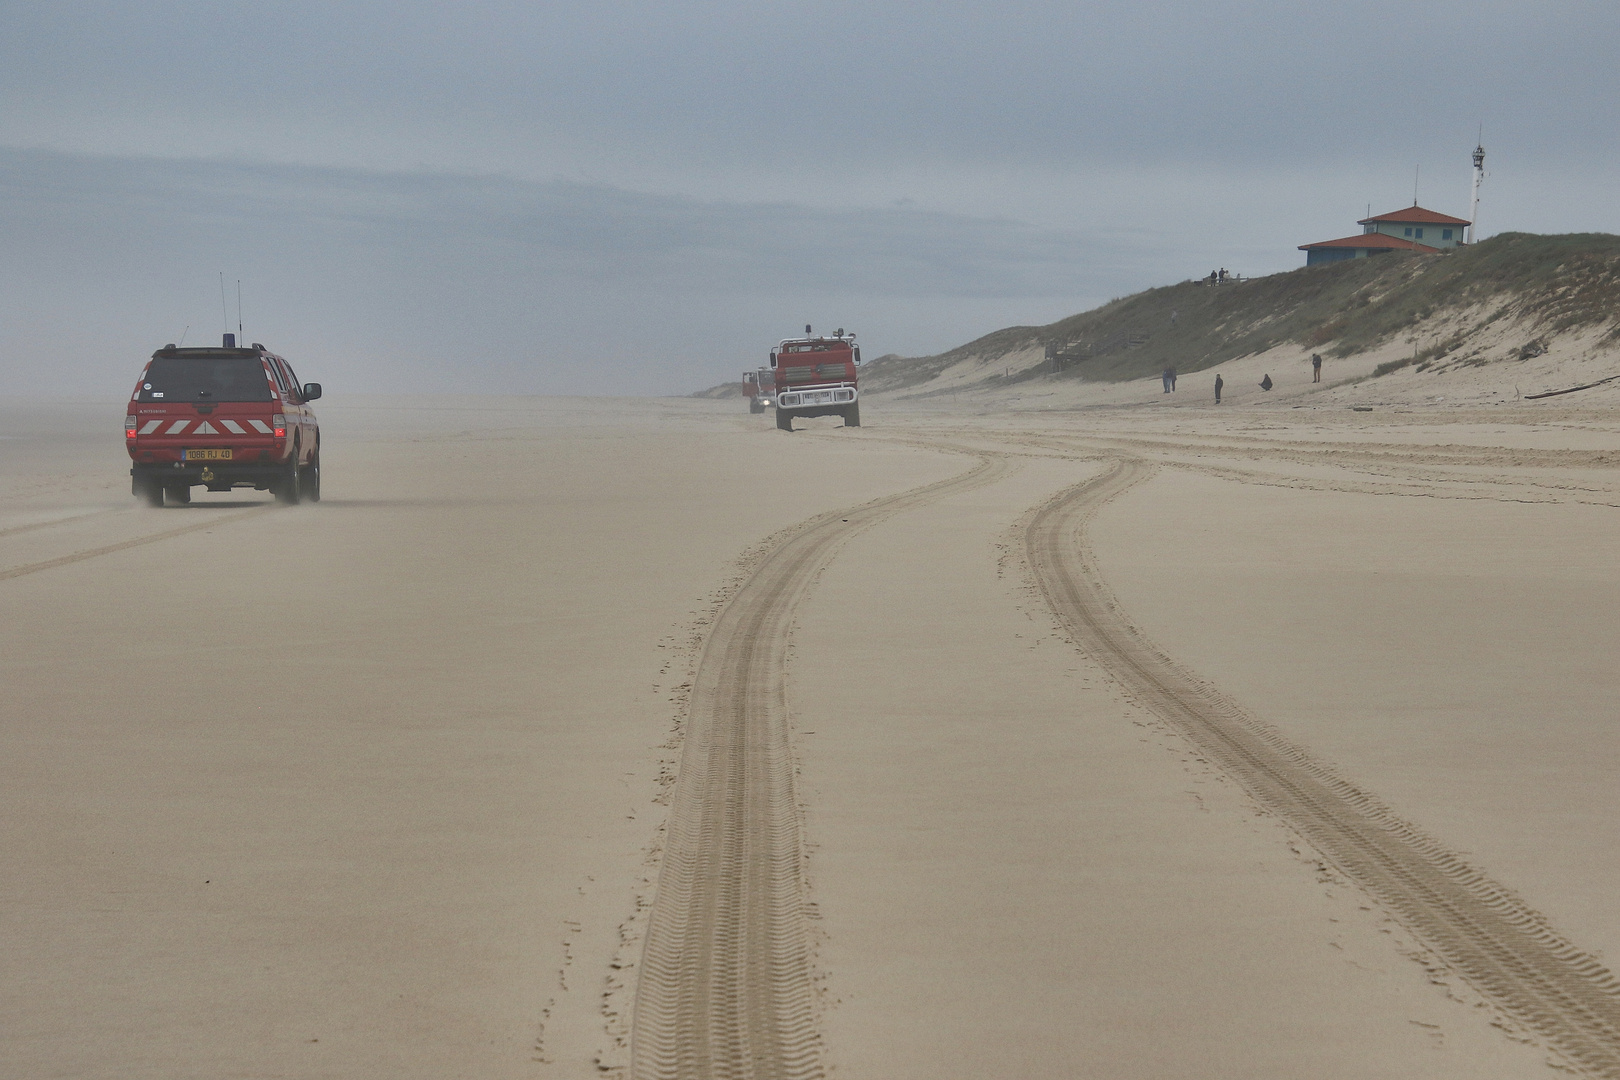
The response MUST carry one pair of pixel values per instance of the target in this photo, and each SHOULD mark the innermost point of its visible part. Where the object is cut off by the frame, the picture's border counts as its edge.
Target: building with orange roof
(1410, 229)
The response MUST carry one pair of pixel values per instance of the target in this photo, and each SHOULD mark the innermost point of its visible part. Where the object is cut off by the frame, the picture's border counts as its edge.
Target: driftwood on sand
(1572, 389)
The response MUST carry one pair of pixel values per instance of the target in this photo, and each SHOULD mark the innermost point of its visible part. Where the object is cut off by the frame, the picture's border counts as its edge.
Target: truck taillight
(279, 422)
(129, 427)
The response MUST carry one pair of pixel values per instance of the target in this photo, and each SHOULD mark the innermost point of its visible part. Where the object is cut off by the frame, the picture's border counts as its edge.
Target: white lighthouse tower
(1479, 178)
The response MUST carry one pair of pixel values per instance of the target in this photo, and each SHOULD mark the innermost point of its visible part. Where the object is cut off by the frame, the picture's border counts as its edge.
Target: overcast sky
(641, 197)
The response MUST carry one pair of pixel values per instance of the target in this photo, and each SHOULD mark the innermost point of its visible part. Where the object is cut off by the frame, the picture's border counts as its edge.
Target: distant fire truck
(760, 385)
(815, 376)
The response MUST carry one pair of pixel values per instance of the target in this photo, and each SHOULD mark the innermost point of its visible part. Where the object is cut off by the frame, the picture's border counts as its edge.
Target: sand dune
(580, 737)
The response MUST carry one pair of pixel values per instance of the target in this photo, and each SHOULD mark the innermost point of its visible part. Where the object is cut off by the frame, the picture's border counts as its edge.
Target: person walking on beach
(1218, 385)
(1172, 373)
(1316, 367)
(1168, 378)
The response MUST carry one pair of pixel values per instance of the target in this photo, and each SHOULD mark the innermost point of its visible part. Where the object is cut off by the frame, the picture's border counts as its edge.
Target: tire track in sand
(1473, 926)
(124, 545)
(725, 984)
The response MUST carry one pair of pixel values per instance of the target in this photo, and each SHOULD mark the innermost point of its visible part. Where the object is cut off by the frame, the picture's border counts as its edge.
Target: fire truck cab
(816, 376)
(760, 385)
(222, 418)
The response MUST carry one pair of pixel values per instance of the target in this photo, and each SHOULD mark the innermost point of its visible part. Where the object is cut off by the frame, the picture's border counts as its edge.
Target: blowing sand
(382, 787)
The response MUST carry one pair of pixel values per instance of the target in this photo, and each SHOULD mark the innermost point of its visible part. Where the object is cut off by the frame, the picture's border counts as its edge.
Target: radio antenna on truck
(240, 337)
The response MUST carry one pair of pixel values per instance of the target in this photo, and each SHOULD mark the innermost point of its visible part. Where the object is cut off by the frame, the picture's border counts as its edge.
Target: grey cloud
(569, 230)
(536, 279)
(734, 82)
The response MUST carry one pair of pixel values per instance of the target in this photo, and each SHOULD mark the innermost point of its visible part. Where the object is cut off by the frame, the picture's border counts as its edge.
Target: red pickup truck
(222, 418)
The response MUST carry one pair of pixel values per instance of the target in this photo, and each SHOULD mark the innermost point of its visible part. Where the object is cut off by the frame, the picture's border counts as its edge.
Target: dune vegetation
(1504, 298)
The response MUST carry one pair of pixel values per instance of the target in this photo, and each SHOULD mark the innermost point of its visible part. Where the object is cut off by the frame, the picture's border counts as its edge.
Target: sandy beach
(430, 779)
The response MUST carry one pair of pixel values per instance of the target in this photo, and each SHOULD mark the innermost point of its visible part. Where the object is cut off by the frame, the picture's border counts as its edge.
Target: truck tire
(755, 405)
(147, 490)
(852, 415)
(784, 419)
(311, 480)
(178, 494)
(289, 489)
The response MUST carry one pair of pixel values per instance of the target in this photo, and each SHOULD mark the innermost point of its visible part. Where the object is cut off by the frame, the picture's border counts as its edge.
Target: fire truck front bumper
(818, 398)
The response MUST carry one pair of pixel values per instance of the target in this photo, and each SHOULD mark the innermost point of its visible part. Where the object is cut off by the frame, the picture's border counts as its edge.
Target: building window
(1409, 230)
(1445, 234)
(1370, 228)
(1420, 234)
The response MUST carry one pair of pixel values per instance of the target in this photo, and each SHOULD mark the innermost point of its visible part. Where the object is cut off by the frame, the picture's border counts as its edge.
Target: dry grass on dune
(1535, 287)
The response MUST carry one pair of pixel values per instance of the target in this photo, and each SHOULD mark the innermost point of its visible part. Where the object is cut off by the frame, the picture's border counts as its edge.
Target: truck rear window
(205, 378)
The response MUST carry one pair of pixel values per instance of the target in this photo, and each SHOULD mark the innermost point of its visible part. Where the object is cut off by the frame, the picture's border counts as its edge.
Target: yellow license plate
(207, 455)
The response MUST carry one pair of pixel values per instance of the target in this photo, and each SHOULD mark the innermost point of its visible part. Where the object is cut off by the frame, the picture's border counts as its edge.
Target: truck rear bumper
(215, 474)
(817, 398)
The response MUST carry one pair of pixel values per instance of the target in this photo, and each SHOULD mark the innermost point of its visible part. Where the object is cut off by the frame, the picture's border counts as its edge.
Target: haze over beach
(1043, 717)
(638, 199)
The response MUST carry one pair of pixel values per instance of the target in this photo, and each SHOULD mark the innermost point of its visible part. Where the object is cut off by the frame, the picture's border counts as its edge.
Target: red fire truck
(815, 376)
(221, 419)
(760, 385)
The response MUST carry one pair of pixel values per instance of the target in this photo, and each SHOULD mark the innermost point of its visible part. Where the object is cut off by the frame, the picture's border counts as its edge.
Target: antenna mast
(1479, 178)
(239, 337)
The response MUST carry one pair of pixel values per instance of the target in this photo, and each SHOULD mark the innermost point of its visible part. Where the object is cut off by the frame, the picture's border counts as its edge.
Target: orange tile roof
(1372, 242)
(1413, 215)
